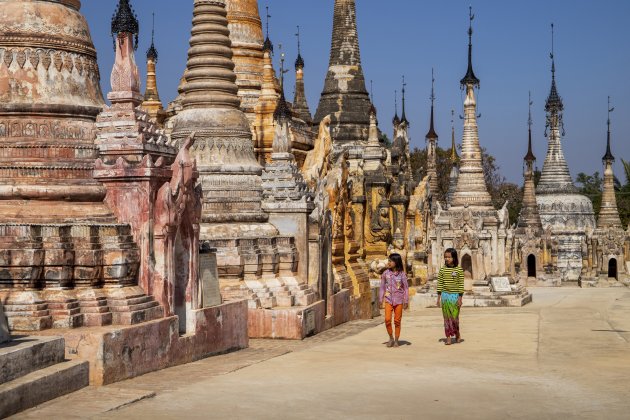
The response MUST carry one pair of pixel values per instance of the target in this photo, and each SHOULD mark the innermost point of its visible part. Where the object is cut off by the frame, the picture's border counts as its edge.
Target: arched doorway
(531, 266)
(467, 267)
(612, 268)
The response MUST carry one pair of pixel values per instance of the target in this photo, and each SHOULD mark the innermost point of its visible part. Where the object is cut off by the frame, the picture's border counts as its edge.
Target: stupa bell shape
(230, 175)
(48, 104)
(562, 210)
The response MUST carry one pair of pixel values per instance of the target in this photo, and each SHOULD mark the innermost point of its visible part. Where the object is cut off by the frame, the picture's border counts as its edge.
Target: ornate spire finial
(608, 157)
(432, 87)
(470, 78)
(268, 16)
(553, 64)
(299, 61)
(125, 21)
(282, 112)
(554, 102)
(403, 118)
(268, 45)
(396, 120)
(529, 157)
(432, 134)
(152, 53)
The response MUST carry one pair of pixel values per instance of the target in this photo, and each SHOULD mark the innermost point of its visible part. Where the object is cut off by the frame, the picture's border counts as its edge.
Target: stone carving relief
(177, 217)
(318, 162)
(62, 60)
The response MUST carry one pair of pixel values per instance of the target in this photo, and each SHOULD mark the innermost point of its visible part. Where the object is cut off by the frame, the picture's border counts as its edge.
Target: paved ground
(567, 355)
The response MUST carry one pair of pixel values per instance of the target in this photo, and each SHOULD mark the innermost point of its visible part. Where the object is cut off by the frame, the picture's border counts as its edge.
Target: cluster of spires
(125, 20)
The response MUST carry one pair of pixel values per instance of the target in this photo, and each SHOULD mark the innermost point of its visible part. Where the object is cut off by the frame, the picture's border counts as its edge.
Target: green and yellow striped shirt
(451, 280)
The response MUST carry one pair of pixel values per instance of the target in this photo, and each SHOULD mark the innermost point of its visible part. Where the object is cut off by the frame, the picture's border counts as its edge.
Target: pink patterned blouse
(394, 288)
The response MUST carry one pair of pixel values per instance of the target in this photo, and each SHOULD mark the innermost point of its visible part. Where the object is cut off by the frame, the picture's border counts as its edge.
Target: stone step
(26, 354)
(29, 323)
(129, 301)
(134, 307)
(138, 316)
(284, 300)
(68, 321)
(306, 300)
(43, 385)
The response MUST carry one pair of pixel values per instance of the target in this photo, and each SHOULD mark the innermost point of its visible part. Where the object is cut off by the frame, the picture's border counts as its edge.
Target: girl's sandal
(459, 340)
(448, 341)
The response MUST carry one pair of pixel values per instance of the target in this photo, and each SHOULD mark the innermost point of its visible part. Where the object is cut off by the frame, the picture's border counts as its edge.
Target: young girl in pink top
(394, 296)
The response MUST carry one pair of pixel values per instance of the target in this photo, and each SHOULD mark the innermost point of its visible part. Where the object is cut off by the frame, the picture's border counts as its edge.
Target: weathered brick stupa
(246, 35)
(345, 97)
(568, 214)
(606, 264)
(258, 86)
(152, 103)
(254, 260)
(66, 261)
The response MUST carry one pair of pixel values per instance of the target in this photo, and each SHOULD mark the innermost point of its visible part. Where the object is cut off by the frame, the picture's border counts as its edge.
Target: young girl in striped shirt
(450, 292)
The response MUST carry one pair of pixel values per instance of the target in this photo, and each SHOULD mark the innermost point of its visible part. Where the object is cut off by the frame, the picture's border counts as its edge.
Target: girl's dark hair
(397, 259)
(453, 253)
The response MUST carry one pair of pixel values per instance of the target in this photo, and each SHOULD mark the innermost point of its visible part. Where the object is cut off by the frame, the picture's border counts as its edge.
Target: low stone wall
(293, 323)
(119, 353)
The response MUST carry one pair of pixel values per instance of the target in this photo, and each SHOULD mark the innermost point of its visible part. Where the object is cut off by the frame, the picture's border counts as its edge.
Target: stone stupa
(566, 213)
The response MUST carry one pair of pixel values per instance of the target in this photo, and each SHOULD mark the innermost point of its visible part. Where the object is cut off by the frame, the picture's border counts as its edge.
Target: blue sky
(511, 57)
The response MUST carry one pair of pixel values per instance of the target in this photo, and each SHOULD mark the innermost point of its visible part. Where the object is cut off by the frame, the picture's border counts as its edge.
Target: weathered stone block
(4, 327)
(42, 385)
(29, 354)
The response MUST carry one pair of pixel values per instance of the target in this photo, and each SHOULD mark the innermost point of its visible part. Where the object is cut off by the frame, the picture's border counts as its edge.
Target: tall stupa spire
(396, 119)
(529, 217)
(152, 103)
(555, 177)
(608, 213)
(230, 175)
(300, 105)
(345, 96)
(403, 117)
(432, 139)
(471, 185)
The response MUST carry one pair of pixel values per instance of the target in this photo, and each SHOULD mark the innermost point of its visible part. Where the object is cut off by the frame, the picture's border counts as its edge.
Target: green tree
(591, 186)
(623, 196)
(500, 190)
(443, 168)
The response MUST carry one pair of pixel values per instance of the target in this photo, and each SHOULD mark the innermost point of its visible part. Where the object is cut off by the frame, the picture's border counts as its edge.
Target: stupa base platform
(542, 282)
(479, 297)
(116, 353)
(604, 282)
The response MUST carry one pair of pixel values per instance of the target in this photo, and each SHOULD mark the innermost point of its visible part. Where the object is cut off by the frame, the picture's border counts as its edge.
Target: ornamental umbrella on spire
(125, 21)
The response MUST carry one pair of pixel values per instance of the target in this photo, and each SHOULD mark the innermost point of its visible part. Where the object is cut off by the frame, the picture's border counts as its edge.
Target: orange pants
(398, 311)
